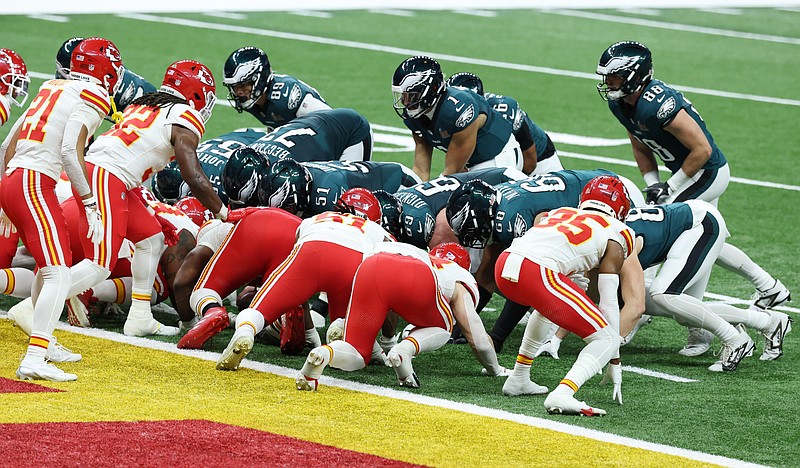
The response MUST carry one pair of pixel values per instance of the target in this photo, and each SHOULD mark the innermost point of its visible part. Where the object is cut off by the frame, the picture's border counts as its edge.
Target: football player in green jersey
(453, 120)
(272, 98)
(538, 152)
(661, 121)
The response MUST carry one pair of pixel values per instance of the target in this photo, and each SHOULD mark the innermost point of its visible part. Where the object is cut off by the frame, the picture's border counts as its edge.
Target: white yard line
(409, 52)
(676, 26)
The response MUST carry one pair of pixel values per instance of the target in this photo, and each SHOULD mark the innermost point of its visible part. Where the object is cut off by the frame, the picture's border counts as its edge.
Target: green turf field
(740, 71)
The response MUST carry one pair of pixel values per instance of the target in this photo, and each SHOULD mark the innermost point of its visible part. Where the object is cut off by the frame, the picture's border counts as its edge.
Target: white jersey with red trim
(141, 144)
(447, 273)
(41, 133)
(5, 110)
(213, 233)
(344, 229)
(570, 240)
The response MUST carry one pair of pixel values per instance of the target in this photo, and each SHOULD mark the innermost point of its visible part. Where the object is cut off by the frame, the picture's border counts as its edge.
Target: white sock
(252, 319)
(750, 318)
(693, 312)
(600, 347)
(734, 259)
(16, 282)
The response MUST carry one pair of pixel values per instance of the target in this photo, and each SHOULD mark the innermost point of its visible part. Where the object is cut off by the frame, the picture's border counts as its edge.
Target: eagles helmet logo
(466, 117)
(294, 96)
(619, 63)
(244, 70)
(279, 198)
(666, 109)
(457, 221)
(249, 188)
(520, 226)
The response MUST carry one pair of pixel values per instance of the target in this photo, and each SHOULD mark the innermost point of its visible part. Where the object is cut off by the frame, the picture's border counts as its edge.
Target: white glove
(6, 226)
(502, 373)
(95, 221)
(550, 347)
(581, 280)
(614, 375)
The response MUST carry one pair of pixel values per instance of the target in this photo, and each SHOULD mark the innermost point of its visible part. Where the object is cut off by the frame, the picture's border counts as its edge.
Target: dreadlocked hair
(158, 99)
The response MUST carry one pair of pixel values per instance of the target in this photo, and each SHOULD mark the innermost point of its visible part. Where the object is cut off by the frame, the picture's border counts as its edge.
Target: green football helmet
(470, 212)
(466, 80)
(241, 175)
(64, 56)
(629, 60)
(391, 212)
(286, 186)
(168, 185)
(417, 85)
(247, 65)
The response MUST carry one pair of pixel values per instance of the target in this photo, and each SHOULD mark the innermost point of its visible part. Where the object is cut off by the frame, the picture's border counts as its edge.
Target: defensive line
(419, 399)
(410, 52)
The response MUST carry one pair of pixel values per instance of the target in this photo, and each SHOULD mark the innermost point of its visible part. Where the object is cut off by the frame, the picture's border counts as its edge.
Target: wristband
(677, 180)
(223, 213)
(89, 201)
(651, 178)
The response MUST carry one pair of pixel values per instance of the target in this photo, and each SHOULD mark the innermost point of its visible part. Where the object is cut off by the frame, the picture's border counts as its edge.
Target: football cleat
(516, 386)
(43, 371)
(733, 353)
(77, 310)
(548, 348)
(214, 321)
(780, 324)
(699, 342)
(56, 352)
(402, 367)
(146, 327)
(21, 315)
(772, 297)
(304, 383)
(644, 320)
(293, 332)
(561, 403)
(335, 331)
(240, 346)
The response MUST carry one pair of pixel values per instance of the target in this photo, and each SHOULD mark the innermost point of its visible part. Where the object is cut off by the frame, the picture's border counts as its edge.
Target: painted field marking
(676, 26)
(419, 399)
(410, 52)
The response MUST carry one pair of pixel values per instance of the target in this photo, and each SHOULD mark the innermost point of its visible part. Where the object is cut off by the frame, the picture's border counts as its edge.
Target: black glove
(656, 193)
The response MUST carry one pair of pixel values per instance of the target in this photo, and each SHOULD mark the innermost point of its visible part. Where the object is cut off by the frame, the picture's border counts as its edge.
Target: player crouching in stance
(432, 291)
(330, 247)
(535, 271)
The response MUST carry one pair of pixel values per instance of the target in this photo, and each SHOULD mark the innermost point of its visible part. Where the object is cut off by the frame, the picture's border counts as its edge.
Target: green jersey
(659, 226)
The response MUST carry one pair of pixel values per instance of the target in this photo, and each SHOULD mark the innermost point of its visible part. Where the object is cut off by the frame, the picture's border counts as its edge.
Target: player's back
(42, 131)
(344, 229)
(570, 240)
(659, 226)
(141, 143)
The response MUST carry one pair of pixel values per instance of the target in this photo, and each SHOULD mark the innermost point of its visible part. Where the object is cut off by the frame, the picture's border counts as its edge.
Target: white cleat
(240, 346)
(780, 324)
(699, 342)
(733, 353)
(548, 348)
(148, 327)
(43, 371)
(21, 315)
(772, 297)
(335, 331)
(304, 383)
(402, 367)
(522, 386)
(56, 352)
(560, 403)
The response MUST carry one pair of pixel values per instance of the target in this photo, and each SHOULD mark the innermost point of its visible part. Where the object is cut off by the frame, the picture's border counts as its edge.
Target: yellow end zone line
(419, 399)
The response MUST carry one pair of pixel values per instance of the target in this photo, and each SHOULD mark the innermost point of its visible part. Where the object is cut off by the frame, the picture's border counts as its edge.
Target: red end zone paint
(169, 443)
(18, 386)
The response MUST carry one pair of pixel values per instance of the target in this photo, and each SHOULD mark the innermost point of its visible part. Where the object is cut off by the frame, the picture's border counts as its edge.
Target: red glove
(234, 216)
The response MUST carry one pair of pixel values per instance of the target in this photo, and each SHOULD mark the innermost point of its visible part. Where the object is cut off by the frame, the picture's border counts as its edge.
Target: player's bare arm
(463, 308)
(529, 160)
(685, 129)
(644, 157)
(185, 144)
(462, 145)
(185, 279)
(485, 273)
(632, 289)
(423, 153)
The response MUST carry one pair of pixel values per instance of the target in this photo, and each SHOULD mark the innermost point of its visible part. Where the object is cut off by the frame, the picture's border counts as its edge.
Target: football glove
(657, 193)
(234, 216)
(614, 375)
(95, 221)
(6, 226)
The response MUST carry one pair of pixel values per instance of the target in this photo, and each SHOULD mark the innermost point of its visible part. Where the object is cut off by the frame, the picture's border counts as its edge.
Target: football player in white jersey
(330, 247)
(431, 292)
(48, 139)
(155, 129)
(535, 271)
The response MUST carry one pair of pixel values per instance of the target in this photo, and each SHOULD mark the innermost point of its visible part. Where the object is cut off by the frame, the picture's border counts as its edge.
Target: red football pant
(553, 295)
(404, 284)
(311, 267)
(29, 199)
